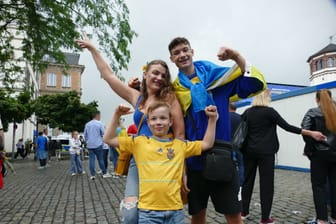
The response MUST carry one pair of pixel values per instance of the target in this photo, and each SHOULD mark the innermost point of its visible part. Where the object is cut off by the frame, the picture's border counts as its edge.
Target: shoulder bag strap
(140, 123)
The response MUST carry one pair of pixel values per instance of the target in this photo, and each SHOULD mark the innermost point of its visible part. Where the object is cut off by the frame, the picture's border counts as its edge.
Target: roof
(329, 48)
(70, 58)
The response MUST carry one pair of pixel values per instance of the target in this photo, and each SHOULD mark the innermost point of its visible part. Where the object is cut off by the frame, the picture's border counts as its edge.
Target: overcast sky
(276, 36)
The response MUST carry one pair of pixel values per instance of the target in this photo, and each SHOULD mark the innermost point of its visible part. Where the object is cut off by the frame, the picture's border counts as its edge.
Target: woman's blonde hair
(328, 108)
(262, 99)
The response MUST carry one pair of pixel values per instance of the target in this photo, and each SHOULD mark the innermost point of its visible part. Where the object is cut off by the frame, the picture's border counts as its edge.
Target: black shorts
(224, 195)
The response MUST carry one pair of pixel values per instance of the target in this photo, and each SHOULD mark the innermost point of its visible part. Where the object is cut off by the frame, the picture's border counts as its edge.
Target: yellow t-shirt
(160, 167)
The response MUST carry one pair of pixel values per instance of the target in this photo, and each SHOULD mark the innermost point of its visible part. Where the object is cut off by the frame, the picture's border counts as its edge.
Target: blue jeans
(105, 155)
(161, 217)
(130, 215)
(93, 153)
(114, 157)
(76, 164)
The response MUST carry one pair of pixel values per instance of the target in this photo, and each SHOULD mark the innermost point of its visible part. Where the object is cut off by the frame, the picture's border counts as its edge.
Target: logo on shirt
(170, 153)
(160, 150)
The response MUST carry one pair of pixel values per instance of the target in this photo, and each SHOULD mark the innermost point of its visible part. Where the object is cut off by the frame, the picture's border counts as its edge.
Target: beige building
(58, 78)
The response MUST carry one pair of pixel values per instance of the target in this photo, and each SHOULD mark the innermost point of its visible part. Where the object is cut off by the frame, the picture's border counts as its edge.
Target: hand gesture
(85, 42)
(226, 53)
(123, 110)
(134, 83)
(211, 111)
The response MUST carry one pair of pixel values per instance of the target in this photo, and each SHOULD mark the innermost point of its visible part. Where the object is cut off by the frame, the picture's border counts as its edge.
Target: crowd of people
(175, 121)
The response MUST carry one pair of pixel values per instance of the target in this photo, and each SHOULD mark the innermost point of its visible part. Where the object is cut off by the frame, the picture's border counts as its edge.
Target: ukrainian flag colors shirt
(160, 166)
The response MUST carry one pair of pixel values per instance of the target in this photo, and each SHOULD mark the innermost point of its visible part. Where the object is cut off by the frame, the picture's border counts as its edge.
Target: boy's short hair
(177, 41)
(157, 104)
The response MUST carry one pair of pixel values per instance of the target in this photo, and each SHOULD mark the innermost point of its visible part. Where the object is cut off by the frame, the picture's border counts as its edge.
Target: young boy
(160, 161)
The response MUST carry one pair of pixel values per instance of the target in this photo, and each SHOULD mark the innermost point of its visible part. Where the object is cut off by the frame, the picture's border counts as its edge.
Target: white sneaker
(41, 167)
(107, 175)
(83, 172)
(73, 174)
(92, 177)
(99, 172)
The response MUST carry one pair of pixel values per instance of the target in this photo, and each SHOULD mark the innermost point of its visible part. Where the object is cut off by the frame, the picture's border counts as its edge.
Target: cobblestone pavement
(54, 196)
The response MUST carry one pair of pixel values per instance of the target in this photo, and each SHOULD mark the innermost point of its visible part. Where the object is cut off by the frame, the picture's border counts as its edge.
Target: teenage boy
(197, 85)
(160, 161)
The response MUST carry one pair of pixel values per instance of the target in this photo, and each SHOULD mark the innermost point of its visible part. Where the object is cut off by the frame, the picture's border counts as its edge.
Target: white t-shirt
(75, 146)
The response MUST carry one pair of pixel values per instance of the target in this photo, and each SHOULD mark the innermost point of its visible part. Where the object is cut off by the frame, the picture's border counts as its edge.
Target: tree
(48, 26)
(64, 111)
(14, 108)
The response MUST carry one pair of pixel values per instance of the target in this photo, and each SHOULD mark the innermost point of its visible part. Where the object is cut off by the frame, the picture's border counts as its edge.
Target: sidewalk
(54, 196)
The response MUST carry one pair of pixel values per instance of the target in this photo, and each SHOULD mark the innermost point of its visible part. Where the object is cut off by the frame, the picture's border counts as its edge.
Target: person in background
(20, 150)
(160, 161)
(93, 133)
(114, 154)
(83, 146)
(132, 129)
(261, 145)
(106, 150)
(41, 150)
(75, 152)
(322, 155)
(234, 122)
(2, 136)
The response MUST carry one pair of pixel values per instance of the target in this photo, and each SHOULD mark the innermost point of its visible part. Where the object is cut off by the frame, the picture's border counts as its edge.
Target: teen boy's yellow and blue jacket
(213, 84)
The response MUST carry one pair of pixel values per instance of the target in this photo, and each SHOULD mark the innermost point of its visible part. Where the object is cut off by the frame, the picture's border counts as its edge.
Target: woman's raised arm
(129, 94)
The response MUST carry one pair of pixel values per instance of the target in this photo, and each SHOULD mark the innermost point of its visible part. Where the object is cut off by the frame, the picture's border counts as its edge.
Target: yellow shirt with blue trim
(160, 167)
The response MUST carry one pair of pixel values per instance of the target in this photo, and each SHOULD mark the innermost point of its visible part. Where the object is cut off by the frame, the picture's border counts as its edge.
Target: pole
(13, 140)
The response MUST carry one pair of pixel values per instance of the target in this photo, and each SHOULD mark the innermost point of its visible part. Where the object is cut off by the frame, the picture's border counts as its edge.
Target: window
(66, 81)
(51, 81)
(330, 62)
(319, 64)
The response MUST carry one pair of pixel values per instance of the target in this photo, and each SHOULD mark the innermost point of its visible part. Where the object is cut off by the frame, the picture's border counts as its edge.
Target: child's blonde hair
(157, 104)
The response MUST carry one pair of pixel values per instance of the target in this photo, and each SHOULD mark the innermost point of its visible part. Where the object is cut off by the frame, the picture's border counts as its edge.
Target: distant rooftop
(329, 48)
(70, 58)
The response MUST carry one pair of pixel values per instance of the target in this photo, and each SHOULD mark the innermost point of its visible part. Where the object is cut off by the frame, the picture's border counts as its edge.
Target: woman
(75, 151)
(259, 152)
(156, 85)
(322, 155)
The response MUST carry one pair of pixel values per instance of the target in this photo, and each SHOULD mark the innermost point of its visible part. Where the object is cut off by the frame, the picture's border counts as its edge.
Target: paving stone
(53, 196)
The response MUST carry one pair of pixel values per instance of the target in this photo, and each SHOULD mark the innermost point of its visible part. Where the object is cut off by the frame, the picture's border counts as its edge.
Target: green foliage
(64, 111)
(47, 27)
(14, 108)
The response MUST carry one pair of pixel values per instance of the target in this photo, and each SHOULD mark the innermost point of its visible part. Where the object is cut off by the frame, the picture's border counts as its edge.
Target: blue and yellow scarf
(210, 76)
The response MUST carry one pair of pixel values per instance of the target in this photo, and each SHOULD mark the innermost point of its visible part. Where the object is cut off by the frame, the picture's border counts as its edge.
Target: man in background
(93, 134)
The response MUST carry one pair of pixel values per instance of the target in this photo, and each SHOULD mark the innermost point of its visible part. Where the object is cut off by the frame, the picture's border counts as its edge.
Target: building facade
(323, 65)
(59, 78)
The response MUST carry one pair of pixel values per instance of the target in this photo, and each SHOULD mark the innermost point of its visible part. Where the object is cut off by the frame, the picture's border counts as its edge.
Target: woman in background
(261, 145)
(322, 155)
